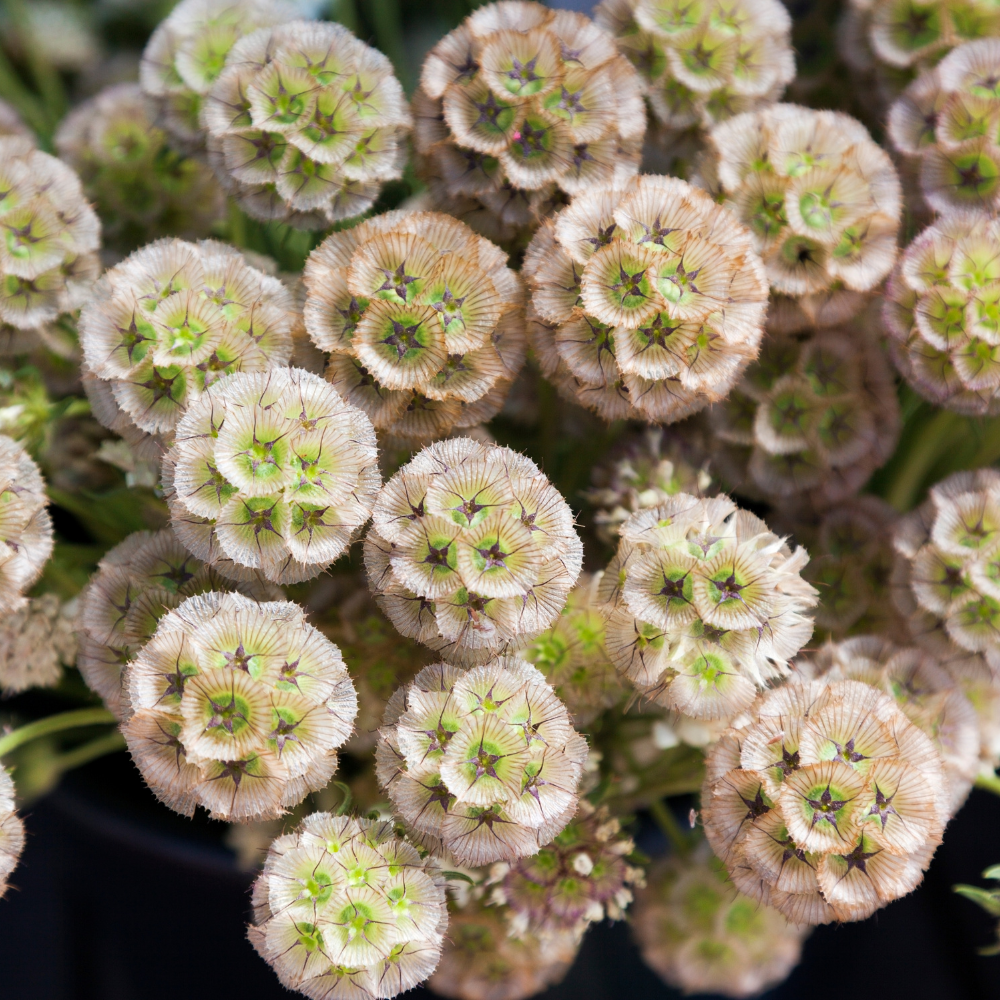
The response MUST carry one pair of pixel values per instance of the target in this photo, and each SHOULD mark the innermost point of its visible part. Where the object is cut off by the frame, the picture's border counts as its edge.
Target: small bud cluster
(822, 201)
(471, 551)
(521, 104)
(142, 189)
(271, 473)
(172, 319)
(701, 935)
(305, 124)
(36, 642)
(647, 300)
(484, 763)
(706, 605)
(812, 418)
(11, 830)
(423, 319)
(346, 909)
(237, 707)
(829, 805)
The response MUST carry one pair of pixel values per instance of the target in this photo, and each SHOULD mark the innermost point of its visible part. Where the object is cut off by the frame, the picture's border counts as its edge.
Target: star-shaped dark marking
(494, 556)
(450, 305)
(658, 332)
(789, 762)
(397, 281)
(655, 233)
(169, 740)
(485, 762)
(283, 732)
(686, 280)
(530, 139)
(176, 576)
(826, 807)
(437, 556)
(600, 239)
(216, 482)
(175, 682)
(883, 807)
(225, 715)
(523, 73)
(570, 102)
(533, 786)
(489, 111)
(403, 338)
(629, 285)
(439, 738)
(290, 673)
(858, 858)
(238, 659)
(351, 315)
(455, 365)
(729, 589)
(756, 807)
(160, 386)
(846, 752)
(131, 338)
(530, 729)
(261, 520)
(673, 590)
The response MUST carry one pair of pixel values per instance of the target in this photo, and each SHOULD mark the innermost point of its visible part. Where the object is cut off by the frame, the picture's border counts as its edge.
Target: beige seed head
(36, 642)
(11, 830)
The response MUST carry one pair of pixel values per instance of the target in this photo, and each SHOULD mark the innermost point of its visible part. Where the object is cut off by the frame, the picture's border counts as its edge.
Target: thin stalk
(76, 719)
(667, 822)
(928, 446)
(110, 742)
(46, 76)
(989, 782)
(31, 109)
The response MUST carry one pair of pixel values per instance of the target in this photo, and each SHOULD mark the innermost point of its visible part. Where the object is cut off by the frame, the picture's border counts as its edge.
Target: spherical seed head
(237, 706)
(35, 643)
(483, 762)
(423, 319)
(271, 473)
(647, 300)
(305, 124)
(706, 605)
(521, 105)
(701, 935)
(11, 830)
(829, 804)
(821, 200)
(811, 419)
(472, 551)
(345, 908)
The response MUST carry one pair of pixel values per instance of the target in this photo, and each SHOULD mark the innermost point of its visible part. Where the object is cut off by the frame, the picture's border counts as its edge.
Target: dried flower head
(521, 105)
(237, 706)
(346, 909)
(36, 642)
(50, 237)
(305, 124)
(11, 830)
(483, 762)
(701, 935)
(647, 301)
(172, 319)
(187, 52)
(829, 805)
(821, 200)
(812, 419)
(706, 605)
(423, 321)
(271, 473)
(142, 189)
(471, 551)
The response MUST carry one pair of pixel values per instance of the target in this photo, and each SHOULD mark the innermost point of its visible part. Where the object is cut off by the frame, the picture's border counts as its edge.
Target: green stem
(75, 719)
(667, 822)
(110, 742)
(930, 444)
(989, 782)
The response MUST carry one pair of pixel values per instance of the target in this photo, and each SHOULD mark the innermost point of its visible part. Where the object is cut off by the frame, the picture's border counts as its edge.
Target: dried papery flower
(141, 188)
(647, 300)
(572, 657)
(167, 323)
(136, 584)
(36, 642)
(423, 320)
(829, 805)
(700, 935)
(187, 52)
(50, 237)
(11, 830)
(978, 678)
(237, 706)
(520, 106)
(483, 762)
(471, 551)
(305, 124)
(812, 419)
(706, 605)
(821, 200)
(271, 473)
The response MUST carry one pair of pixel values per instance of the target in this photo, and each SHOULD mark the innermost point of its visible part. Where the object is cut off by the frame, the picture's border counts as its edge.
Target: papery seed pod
(271, 473)
(11, 830)
(484, 762)
(706, 605)
(821, 200)
(141, 188)
(647, 300)
(423, 320)
(237, 706)
(978, 677)
(344, 908)
(187, 52)
(305, 124)
(700, 935)
(50, 237)
(471, 551)
(812, 418)
(520, 106)
(136, 584)
(36, 642)
(829, 805)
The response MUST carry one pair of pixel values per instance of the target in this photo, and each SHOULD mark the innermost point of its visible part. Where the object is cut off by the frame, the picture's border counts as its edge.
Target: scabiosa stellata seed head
(706, 605)
(520, 104)
(829, 804)
(36, 642)
(271, 473)
(344, 908)
(305, 124)
(821, 200)
(471, 551)
(647, 300)
(701, 935)
(483, 762)
(423, 320)
(237, 706)
(11, 830)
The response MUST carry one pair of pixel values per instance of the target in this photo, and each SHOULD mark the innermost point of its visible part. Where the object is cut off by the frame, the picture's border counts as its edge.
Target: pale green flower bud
(11, 830)
(36, 642)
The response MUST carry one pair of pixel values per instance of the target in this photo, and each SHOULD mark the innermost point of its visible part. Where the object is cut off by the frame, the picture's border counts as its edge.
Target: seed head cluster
(36, 642)
(11, 830)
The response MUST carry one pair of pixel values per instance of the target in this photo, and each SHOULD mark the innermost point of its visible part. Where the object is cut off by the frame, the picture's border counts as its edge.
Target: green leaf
(458, 877)
(989, 901)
